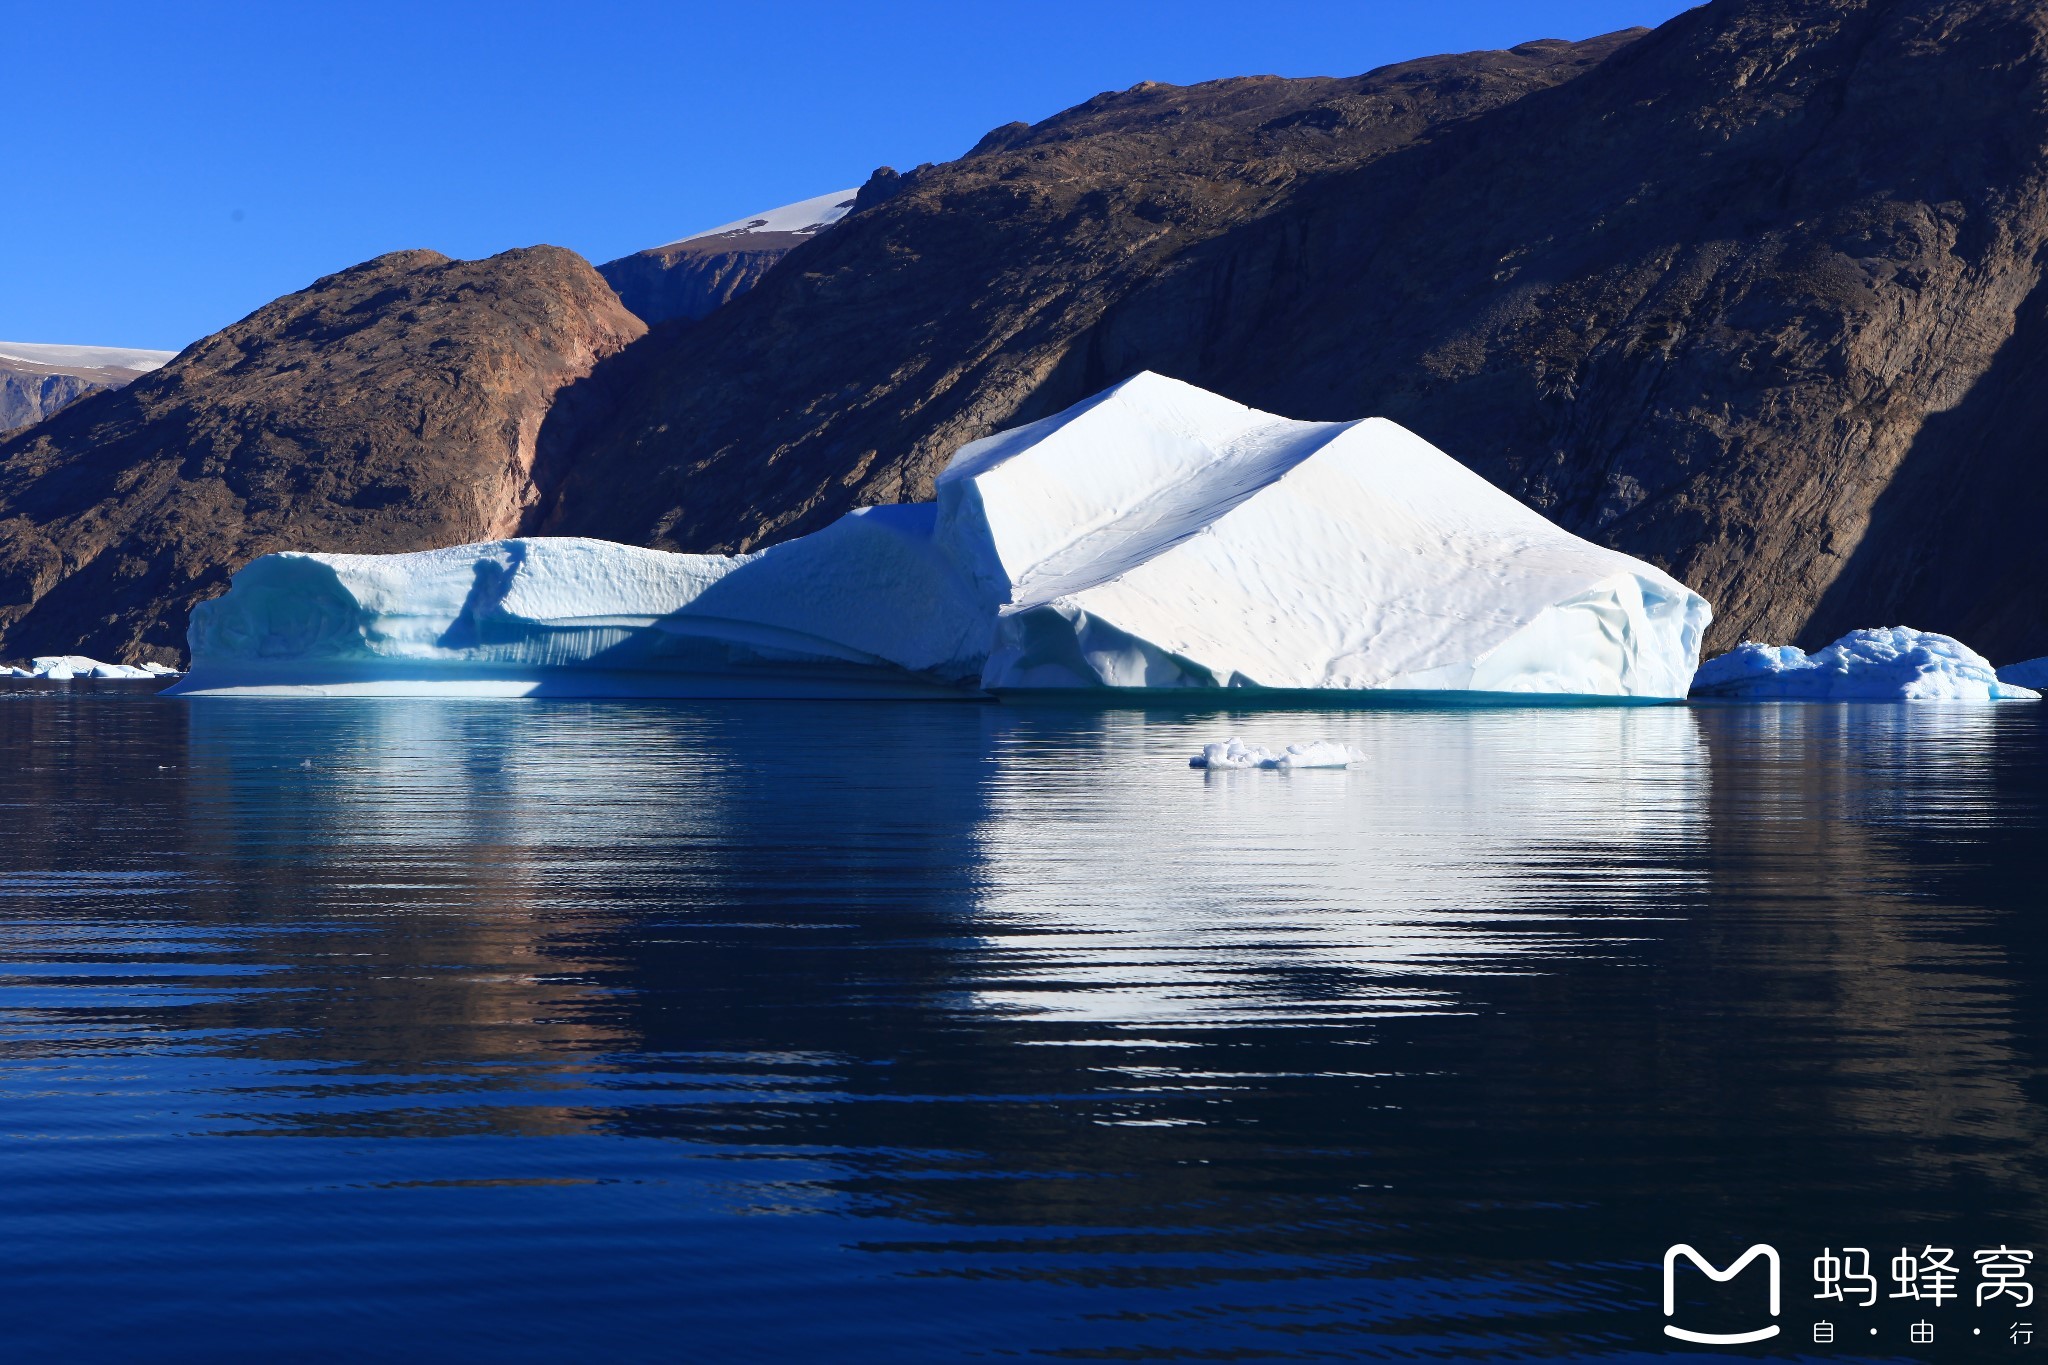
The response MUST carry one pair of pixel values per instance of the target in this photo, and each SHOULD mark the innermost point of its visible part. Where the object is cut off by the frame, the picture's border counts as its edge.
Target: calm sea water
(552, 1031)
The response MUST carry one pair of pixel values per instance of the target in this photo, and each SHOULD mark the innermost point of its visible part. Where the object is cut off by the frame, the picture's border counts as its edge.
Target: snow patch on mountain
(83, 357)
(804, 217)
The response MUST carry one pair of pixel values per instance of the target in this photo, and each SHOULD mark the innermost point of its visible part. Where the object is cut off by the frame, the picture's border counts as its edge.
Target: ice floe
(67, 667)
(1235, 753)
(1156, 536)
(1894, 663)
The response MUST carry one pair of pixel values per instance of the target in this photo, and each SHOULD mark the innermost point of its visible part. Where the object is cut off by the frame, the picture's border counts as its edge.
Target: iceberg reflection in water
(572, 1031)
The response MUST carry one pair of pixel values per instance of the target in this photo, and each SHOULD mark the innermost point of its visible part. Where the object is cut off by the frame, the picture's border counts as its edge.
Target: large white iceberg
(1155, 536)
(1896, 663)
(1162, 536)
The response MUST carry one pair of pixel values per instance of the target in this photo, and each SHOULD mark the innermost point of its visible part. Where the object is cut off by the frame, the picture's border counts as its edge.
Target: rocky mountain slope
(391, 406)
(688, 279)
(1757, 296)
(37, 379)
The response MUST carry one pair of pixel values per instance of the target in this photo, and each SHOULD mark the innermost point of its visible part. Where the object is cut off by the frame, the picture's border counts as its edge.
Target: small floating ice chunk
(1318, 755)
(1235, 753)
(1232, 753)
(1894, 663)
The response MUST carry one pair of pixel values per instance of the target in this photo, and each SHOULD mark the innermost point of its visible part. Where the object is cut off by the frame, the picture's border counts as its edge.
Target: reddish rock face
(392, 406)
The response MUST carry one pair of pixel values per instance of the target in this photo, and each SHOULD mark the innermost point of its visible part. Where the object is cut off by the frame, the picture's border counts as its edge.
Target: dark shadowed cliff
(1757, 296)
(686, 280)
(392, 406)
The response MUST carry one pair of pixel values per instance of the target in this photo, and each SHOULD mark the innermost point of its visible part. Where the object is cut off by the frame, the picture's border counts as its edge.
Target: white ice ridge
(65, 667)
(1894, 663)
(1155, 536)
(84, 357)
(1235, 753)
(805, 216)
(1159, 535)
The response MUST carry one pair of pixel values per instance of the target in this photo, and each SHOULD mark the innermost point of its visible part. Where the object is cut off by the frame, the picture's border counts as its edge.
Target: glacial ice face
(1155, 536)
(1895, 663)
(1161, 536)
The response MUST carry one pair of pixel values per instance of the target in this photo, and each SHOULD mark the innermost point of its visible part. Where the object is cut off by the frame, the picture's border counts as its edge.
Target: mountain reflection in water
(891, 1032)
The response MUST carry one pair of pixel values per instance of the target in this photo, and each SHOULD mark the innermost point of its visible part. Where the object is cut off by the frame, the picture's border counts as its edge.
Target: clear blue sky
(173, 167)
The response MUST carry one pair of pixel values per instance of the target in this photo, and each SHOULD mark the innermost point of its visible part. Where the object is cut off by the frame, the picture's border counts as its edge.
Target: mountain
(689, 278)
(36, 378)
(393, 406)
(1757, 297)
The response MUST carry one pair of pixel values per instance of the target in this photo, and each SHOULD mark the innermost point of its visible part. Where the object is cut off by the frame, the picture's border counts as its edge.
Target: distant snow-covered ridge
(1155, 537)
(84, 357)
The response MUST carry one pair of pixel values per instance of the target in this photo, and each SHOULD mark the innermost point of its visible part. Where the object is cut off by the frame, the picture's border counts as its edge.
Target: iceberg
(1235, 753)
(1895, 663)
(1153, 537)
(66, 667)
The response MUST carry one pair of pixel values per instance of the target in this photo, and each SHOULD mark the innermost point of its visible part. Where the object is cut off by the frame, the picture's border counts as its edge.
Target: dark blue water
(552, 1031)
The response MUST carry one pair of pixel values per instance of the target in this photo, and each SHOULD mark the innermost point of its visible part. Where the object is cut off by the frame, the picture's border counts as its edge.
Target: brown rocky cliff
(941, 308)
(1757, 296)
(392, 406)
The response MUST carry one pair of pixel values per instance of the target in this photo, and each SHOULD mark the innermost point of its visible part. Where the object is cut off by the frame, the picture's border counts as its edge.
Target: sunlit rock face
(1154, 537)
